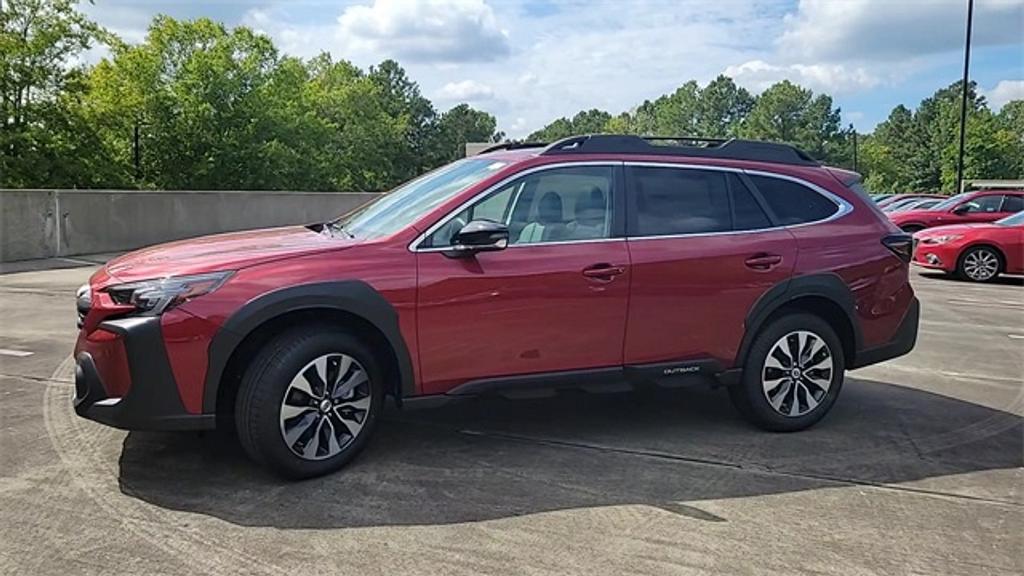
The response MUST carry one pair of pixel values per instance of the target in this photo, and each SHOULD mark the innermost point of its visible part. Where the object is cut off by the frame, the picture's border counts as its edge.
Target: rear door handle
(763, 261)
(603, 271)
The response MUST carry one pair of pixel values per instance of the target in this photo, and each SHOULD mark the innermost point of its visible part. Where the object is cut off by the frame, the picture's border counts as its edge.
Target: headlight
(941, 239)
(153, 297)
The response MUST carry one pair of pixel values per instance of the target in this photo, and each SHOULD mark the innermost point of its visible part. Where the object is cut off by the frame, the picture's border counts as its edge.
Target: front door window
(557, 205)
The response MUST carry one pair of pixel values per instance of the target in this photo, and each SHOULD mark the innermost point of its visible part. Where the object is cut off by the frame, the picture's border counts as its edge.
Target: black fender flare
(826, 285)
(351, 296)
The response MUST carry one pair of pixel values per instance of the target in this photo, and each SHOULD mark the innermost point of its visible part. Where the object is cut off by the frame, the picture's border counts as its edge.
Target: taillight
(902, 245)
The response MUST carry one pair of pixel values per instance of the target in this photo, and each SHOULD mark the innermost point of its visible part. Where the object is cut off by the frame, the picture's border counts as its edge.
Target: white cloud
(845, 47)
(892, 30)
(466, 91)
(424, 30)
(1003, 92)
(836, 79)
(614, 54)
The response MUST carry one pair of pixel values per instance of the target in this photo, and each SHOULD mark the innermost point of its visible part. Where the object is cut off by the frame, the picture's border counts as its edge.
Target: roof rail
(511, 145)
(731, 149)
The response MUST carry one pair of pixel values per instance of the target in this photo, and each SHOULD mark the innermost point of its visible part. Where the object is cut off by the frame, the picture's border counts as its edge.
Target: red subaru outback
(596, 258)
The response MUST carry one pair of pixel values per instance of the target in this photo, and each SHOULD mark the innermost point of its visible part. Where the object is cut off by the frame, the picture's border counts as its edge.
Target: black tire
(750, 396)
(911, 228)
(258, 408)
(978, 253)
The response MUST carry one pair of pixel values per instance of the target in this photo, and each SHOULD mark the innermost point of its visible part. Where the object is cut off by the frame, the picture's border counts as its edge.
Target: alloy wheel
(325, 406)
(797, 373)
(981, 265)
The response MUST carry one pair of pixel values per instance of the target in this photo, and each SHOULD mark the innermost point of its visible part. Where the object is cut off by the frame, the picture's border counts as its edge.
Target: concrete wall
(47, 223)
(27, 224)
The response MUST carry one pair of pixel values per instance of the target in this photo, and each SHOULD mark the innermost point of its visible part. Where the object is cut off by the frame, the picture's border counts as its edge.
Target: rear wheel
(980, 264)
(309, 402)
(792, 374)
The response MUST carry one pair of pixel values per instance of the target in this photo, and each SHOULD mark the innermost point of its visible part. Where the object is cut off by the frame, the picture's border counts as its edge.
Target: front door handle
(603, 271)
(763, 261)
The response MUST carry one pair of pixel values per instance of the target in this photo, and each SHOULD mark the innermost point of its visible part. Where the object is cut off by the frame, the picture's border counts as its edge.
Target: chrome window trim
(844, 206)
(534, 244)
(414, 245)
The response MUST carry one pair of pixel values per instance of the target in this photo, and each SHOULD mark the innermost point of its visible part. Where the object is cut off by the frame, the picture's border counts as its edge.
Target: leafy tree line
(911, 151)
(200, 106)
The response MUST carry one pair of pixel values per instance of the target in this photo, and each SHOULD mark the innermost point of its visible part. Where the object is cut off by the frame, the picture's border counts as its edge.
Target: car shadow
(490, 458)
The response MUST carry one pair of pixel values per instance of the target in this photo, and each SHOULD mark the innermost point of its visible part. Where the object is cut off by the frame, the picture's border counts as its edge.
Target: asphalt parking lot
(918, 470)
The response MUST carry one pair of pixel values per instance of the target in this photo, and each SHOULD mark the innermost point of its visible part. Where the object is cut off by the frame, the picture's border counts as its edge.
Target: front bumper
(152, 402)
(935, 256)
(902, 343)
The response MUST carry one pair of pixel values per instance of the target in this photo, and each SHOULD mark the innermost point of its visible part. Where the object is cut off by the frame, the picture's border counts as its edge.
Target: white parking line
(988, 303)
(15, 353)
(1016, 336)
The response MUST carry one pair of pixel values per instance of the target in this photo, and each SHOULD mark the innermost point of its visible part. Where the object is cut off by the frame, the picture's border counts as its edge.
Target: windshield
(900, 204)
(1014, 220)
(920, 205)
(405, 204)
(951, 201)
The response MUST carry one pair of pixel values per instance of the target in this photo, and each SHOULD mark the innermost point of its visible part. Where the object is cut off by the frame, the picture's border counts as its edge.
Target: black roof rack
(732, 149)
(512, 146)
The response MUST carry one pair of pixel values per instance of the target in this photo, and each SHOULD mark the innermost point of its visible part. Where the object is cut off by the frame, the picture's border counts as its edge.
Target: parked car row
(975, 235)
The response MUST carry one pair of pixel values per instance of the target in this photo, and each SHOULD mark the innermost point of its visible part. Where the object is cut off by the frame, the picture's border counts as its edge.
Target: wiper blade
(337, 226)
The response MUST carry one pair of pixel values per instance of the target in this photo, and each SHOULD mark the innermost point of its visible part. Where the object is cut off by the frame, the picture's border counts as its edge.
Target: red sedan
(977, 252)
(966, 208)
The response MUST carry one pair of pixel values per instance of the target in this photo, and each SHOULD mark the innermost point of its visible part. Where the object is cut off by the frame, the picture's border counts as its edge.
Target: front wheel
(979, 264)
(792, 374)
(309, 402)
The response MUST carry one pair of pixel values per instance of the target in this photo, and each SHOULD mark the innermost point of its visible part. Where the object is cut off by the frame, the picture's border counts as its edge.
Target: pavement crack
(39, 379)
(37, 291)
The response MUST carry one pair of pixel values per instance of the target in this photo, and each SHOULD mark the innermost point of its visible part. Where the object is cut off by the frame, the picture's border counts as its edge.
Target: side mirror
(479, 236)
(962, 209)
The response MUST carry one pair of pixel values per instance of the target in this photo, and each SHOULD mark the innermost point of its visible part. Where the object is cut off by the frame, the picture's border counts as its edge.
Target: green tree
(990, 151)
(786, 112)
(464, 124)
(722, 108)
(889, 152)
(1011, 117)
(677, 114)
(561, 128)
(198, 94)
(423, 148)
(42, 141)
(592, 121)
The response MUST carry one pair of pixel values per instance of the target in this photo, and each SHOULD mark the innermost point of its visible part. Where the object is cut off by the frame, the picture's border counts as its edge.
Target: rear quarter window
(793, 203)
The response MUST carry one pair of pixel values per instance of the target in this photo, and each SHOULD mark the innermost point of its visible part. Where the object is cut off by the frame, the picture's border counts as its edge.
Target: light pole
(963, 100)
(853, 132)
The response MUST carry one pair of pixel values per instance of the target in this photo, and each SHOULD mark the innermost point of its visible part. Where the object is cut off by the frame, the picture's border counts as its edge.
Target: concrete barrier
(28, 224)
(48, 223)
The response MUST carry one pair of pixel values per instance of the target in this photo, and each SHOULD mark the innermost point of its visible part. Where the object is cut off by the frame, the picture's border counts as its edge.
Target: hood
(952, 229)
(232, 251)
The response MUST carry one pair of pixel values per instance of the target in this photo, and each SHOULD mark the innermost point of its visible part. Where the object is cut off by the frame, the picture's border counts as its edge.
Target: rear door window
(669, 201)
(747, 212)
(793, 203)
(1012, 203)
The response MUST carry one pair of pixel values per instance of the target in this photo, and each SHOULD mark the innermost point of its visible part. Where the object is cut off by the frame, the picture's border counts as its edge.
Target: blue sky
(530, 61)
